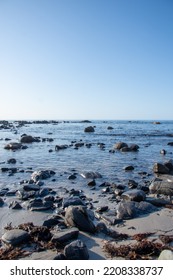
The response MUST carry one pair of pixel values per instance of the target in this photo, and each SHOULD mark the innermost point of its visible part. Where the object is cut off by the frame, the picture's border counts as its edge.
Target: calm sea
(151, 139)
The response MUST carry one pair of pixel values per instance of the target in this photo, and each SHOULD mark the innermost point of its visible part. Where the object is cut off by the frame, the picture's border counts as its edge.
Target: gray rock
(23, 195)
(128, 168)
(65, 235)
(39, 205)
(15, 236)
(89, 129)
(74, 200)
(160, 168)
(166, 255)
(161, 187)
(134, 195)
(91, 175)
(130, 209)
(76, 250)
(77, 216)
(42, 175)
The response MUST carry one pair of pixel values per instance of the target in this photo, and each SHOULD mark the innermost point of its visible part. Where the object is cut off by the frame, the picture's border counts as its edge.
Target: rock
(91, 175)
(11, 161)
(39, 205)
(163, 152)
(15, 205)
(76, 250)
(92, 183)
(60, 256)
(134, 147)
(23, 195)
(72, 177)
(77, 216)
(160, 168)
(134, 195)
(89, 129)
(50, 222)
(60, 147)
(170, 144)
(65, 235)
(125, 149)
(13, 146)
(161, 187)
(74, 200)
(128, 168)
(15, 236)
(166, 255)
(42, 175)
(31, 187)
(130, 209)
(29, 139)
(126, 210)
(1, 202)
(120, 145)
(110, 128)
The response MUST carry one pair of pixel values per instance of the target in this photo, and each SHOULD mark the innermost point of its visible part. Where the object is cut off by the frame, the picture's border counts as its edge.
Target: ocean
(148, 135)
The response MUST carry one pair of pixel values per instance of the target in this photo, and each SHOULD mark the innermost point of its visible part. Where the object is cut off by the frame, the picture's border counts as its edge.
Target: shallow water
(150, 137)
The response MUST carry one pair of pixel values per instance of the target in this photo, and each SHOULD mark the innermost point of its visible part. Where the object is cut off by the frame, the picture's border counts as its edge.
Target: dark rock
(134, 147)
(163, 152)
(29, 139)
(4, 191)
(31, 187)
(89, 129)
(129, 168)
(110, 128)
(76, 250)
(77, 216)
(39, 205)
(74, 200)
(120, 145)
(60, 147)
(13, 146)
(15, 236)
(160, 168)
(11, 161)
(170, 144)
(53, 221)
(72, 177)
(125, 149)
(65, 235)
(132, 184)
(92, 183)
(1, 202)
(4, 169)
(15, 205)
(60, 256)
(23, 195)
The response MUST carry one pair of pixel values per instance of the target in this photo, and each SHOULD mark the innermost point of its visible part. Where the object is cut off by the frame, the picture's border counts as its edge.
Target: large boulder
(77, 216)
(76, 250)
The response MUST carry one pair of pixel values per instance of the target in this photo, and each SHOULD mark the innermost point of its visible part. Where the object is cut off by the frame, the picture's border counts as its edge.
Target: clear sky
(86, 59)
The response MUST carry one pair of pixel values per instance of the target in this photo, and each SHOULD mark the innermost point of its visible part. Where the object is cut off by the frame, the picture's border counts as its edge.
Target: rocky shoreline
(41, 222)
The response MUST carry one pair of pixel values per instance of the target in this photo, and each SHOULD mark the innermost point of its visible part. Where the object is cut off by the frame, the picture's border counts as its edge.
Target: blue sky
(86, 59)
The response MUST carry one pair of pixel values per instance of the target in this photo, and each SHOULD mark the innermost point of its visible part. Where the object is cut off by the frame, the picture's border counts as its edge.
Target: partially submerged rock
(42, 175)
(13, 146)
(91, 175)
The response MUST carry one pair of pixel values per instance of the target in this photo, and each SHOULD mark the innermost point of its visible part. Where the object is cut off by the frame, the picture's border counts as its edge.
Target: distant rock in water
(123, 147)
(13, 146)
(89, 129)
(29, 139)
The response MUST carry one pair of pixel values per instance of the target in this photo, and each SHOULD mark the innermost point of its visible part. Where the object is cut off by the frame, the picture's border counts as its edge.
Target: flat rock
(74, 200)
(15, 237)
(134, 195)
(76, 250)
(65, 235)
